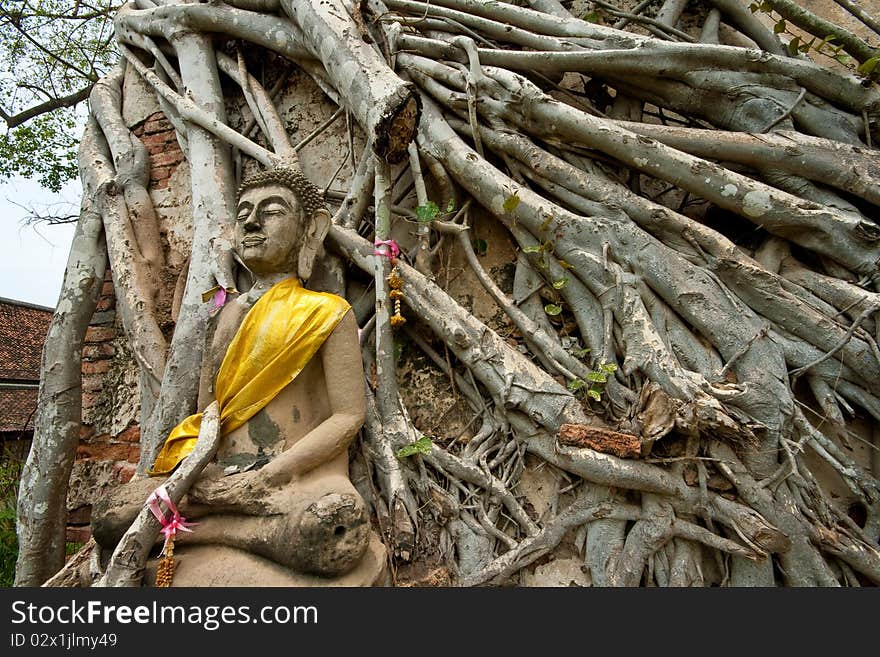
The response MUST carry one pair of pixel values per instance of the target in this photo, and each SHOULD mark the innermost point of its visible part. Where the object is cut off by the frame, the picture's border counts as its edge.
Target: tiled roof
(23, 329)
(17, 406)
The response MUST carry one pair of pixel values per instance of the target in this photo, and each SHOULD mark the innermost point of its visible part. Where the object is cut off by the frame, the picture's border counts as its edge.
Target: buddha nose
(252, 221)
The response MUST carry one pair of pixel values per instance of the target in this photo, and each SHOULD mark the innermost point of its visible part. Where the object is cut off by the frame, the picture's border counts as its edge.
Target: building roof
(23, 328)
(17, 409)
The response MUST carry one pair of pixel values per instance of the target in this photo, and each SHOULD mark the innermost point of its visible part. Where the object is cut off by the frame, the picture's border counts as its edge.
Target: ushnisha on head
(281, 222)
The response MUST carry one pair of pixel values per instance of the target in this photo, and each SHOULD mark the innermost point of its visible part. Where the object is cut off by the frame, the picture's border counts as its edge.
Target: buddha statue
(276, 507)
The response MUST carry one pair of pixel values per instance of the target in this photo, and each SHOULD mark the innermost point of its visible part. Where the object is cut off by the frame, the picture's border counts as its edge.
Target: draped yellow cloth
(277, 337)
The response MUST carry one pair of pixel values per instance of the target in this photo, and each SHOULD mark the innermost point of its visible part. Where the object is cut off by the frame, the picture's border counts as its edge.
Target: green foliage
(869, 67)
(428, 212)
(827, 46)
(421, 446)
(44, 148)
(593, 384)
(552, 309)
(8, 545)
(10, 469)
(480, 247)
(72, 548)
(49, 49)
(510, 203)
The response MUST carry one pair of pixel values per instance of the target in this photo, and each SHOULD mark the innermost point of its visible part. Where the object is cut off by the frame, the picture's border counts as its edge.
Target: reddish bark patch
(606, 441)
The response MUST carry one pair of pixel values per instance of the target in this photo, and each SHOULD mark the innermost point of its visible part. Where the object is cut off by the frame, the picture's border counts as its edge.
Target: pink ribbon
(219, 300)
(170, 526)
(392, 252)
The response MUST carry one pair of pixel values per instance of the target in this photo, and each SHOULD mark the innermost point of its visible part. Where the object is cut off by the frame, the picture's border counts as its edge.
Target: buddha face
(268, 229)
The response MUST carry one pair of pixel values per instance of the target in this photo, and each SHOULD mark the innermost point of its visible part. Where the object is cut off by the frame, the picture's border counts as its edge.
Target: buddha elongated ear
(313, 238)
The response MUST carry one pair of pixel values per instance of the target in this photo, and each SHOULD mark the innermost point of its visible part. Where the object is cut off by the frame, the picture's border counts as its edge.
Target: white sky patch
(33, 258)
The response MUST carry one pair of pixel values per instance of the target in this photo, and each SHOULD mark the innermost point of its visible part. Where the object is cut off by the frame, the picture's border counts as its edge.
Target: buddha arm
(344, 374)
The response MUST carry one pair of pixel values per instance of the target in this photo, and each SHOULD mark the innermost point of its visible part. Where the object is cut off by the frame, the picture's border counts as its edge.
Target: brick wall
(103, 460)
(157, 134)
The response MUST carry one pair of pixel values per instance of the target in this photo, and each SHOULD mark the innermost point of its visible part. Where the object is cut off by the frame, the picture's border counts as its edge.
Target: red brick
(95, 366)
(107, 289)
(98, 351)
(106, 303)
(90, 400)
(92, 383)
(130, 435)
(157, 123)
(124, 472)
(167, 157)
(78, 534)
(134, 453)
(156, 143)
(100, 333)
(101, 451)
(160, 173)
(80, 515)
(101, 438)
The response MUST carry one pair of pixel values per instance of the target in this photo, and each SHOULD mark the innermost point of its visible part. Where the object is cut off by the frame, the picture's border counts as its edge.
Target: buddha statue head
(281, 222)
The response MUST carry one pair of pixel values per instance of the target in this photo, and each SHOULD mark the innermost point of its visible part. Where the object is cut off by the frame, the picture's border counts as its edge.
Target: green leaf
(591, 17)
(552, 309)
(753, 7)
(869, 65)
(824, 42)
(565, 265)
(843, 59)
(576, 385)
(480, 247)
(559, 284)
(597, 377)
(427, 212)
(537, 248)
(510, 204)
(595, 394)
(421, 446)
(609, 368)
(793, 45)
(451, 205)
(580, 353)
(779, 28)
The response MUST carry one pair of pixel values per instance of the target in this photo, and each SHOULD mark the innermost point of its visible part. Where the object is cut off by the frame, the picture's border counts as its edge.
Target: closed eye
(243, 211)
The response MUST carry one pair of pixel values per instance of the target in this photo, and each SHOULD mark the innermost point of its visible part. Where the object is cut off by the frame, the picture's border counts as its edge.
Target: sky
(33, 258)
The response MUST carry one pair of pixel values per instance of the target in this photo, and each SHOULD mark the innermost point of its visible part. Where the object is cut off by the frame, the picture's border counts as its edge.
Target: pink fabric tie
(392, 252)
(170, 526)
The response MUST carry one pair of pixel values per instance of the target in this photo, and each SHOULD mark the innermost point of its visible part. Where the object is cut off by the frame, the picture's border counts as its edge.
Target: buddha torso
(293, 413)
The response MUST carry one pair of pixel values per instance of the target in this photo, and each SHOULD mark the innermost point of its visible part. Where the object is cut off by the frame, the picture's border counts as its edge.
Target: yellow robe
(278, 336)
